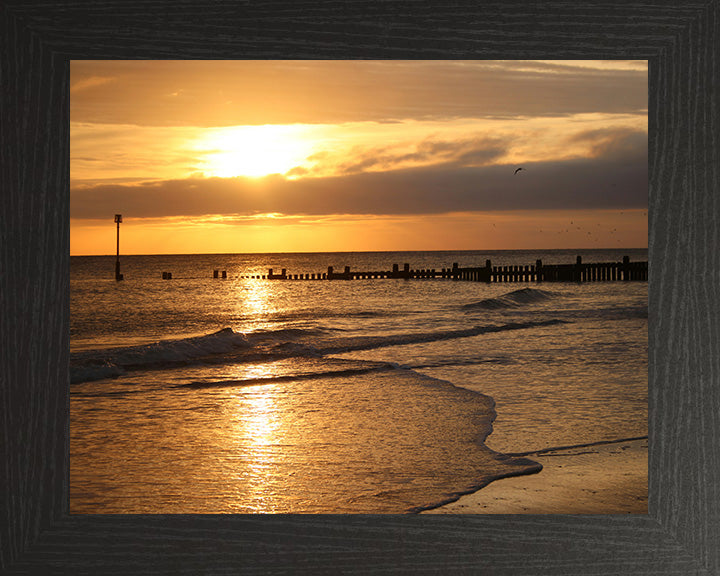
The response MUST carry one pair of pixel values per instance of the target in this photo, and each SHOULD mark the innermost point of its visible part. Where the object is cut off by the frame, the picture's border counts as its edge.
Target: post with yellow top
(118, 276)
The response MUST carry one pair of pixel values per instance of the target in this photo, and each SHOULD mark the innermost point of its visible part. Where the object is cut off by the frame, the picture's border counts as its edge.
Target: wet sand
(604, 479)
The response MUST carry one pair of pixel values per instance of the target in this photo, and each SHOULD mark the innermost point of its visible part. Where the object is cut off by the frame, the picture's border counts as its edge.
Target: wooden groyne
(578, 272)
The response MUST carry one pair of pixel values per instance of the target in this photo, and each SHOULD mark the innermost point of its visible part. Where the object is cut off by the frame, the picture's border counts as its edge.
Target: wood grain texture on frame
(680, 535)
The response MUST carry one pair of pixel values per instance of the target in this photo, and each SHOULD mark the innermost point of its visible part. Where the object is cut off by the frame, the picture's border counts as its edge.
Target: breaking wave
(227, 346)
(98, 364)
(513, 299)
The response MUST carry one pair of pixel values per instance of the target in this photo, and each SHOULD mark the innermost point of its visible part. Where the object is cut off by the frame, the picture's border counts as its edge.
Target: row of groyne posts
(539, 272)
(216, 274)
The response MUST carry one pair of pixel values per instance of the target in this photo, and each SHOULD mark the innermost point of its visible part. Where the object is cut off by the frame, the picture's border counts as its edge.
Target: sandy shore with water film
(601, 479)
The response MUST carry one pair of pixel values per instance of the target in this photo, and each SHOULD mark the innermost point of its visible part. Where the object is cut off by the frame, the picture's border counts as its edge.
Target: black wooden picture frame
(681, 533)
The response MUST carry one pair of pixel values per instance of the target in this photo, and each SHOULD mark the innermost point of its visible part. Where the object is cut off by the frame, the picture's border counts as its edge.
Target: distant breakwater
(578, 271)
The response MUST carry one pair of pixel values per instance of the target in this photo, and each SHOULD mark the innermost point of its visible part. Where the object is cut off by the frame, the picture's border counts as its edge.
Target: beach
(605, 479)
(200, 394)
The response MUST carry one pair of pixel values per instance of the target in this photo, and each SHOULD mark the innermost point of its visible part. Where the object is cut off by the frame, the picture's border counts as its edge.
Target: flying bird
(516, 171)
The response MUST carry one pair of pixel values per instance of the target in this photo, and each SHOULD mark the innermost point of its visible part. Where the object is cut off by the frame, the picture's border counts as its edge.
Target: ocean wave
(513, 299)
(618, 312)
(91, 371)
(227, 346)
(280, 334)
(371, 342)
(99, 364)
(458, 362)
(341, 373)
(316, 314)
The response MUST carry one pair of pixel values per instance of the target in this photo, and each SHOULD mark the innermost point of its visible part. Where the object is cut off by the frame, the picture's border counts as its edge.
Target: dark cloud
(610, 181)
(474, 151)
(611, 142)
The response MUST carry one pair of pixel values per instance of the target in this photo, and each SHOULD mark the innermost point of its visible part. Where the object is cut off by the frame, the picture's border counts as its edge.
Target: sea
(246, 395)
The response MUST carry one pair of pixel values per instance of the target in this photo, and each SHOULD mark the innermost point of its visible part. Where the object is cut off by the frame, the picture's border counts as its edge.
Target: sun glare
(253, 151)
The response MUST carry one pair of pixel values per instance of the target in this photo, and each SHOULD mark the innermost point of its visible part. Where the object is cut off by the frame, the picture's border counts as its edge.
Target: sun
(253, 151)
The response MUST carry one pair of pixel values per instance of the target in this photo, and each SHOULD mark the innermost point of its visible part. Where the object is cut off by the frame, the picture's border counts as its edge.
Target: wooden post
(626, 268)
(224, 274)
(578, 269)
(118, 276)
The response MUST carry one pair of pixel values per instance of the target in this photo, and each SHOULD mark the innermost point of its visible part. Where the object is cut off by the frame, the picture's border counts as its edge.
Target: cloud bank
(227, 93)
(618, 179)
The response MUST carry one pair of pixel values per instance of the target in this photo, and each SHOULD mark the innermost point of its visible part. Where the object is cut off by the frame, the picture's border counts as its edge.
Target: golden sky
(287, 156)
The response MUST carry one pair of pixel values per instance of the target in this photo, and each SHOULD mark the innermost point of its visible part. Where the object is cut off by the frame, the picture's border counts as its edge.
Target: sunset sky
(306, 156)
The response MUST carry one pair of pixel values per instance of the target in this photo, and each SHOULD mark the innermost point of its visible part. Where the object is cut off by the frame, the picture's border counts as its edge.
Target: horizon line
(362, 251)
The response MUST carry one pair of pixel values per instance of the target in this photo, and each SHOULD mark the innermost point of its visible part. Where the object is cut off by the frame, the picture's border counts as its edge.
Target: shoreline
(602, 478)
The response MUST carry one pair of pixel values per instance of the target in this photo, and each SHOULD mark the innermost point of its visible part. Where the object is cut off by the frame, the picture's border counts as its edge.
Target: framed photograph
(174, 403)
(443, 283)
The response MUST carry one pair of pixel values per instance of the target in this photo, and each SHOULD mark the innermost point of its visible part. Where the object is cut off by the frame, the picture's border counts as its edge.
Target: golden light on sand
(253, 151)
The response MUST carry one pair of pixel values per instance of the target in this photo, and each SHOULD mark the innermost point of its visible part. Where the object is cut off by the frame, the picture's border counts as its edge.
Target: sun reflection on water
(258, 433)
(256, 301)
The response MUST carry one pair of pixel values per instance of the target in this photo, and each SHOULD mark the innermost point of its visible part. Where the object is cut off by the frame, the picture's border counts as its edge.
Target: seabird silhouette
(516, 171)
